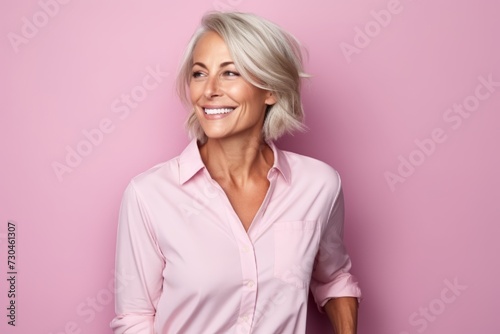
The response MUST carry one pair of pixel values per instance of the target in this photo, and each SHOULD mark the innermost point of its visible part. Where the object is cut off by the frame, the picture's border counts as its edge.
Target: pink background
(366, 109)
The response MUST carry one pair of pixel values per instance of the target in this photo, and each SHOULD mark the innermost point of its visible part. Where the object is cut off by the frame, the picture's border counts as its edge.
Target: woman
(229, 236)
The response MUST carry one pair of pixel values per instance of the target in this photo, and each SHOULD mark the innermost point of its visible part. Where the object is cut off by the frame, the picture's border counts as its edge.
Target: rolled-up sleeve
(331, 277)
(139, 260)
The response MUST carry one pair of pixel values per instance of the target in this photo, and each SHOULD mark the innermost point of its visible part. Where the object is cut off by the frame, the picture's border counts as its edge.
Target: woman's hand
(343, 314)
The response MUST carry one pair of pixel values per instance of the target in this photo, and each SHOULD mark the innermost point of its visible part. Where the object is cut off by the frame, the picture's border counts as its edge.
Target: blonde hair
(266, 56)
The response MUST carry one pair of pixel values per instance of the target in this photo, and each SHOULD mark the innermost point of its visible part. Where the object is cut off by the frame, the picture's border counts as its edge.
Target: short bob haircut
(266, 56)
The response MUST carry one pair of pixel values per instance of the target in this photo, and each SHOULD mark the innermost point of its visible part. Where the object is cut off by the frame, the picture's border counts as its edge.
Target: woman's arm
(343, 314)
(335, 290)
(140, 261)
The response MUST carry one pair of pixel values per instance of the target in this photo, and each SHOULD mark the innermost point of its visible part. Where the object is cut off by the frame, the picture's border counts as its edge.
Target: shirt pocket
(295, 247)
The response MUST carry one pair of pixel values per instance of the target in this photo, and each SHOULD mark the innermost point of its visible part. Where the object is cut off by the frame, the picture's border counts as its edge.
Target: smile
(217, 111)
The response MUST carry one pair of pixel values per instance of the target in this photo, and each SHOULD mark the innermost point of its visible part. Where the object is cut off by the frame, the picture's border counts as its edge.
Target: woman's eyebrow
(224, 64)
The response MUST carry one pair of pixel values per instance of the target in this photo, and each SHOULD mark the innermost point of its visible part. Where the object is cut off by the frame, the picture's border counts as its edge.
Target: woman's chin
(215, 135)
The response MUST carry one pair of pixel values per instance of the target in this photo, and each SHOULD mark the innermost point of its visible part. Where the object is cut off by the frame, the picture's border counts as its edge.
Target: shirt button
(250, 284)
(245, 249)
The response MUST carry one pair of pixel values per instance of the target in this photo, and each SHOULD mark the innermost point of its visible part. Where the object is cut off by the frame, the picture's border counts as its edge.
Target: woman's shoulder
(305, 161)
(311, 169)
(170, 170)
(166, 172)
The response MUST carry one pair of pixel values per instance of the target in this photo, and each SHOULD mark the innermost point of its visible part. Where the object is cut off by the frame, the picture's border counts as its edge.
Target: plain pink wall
(383, 107)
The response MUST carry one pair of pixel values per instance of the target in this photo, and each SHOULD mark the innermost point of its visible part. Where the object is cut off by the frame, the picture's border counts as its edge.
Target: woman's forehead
(211, 46)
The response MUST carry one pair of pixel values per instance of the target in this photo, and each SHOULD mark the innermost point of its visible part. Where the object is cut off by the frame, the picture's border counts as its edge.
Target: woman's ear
(270, 98)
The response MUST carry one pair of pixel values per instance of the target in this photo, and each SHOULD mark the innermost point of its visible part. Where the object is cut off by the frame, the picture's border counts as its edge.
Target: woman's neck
(235, 160)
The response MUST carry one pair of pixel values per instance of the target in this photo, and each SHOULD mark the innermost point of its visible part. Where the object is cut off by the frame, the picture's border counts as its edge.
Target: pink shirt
(193, 268)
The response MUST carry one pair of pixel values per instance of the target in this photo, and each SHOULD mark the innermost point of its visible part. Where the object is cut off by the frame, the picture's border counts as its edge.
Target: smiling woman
(230, 236)
(225, 104)
(266, 57)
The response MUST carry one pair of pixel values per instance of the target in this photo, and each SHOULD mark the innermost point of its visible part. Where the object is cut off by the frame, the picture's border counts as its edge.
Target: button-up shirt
(191, 267)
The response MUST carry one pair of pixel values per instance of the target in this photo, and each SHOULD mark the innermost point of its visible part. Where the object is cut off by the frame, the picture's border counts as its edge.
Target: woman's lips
(218, 111)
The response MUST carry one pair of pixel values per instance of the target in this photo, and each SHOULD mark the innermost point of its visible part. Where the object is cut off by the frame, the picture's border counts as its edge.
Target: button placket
(248, 260)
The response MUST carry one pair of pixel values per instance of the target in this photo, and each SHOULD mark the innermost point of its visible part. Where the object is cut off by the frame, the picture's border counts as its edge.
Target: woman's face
(225, 103)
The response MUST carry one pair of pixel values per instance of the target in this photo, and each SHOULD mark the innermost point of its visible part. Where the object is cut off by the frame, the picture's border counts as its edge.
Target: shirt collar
(190, 162)
(280, 162)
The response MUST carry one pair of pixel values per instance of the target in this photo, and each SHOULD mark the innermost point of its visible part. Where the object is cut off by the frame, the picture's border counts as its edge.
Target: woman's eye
(197, 74)
(231, 74)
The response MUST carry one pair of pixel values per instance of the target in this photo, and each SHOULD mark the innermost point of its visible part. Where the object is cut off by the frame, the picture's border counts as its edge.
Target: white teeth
(218, 111)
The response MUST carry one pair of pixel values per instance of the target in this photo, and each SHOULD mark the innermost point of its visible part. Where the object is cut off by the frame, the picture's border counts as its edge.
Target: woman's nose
(212, 88)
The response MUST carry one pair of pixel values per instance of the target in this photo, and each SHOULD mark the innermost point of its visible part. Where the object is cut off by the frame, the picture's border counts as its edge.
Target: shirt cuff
(345, 285)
